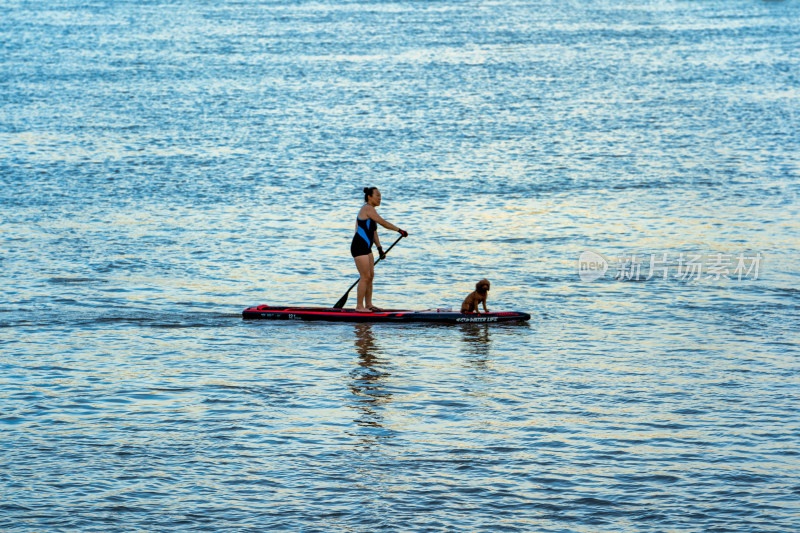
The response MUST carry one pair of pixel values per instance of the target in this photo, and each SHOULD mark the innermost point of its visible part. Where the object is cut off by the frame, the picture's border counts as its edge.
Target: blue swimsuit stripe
(363, 233)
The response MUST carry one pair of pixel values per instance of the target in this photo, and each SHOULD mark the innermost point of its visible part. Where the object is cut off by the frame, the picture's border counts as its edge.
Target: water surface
(166, 164)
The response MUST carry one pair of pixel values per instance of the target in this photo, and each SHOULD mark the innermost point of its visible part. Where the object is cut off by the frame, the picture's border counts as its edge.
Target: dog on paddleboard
(478, 296)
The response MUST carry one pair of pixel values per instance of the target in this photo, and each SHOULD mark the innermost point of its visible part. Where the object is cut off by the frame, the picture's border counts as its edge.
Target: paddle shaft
(343, 299)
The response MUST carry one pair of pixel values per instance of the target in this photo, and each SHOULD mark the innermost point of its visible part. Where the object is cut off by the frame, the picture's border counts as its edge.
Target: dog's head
(483, 286)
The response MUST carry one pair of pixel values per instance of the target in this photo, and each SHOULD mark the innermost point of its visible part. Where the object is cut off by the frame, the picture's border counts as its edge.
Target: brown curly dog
(478, 296)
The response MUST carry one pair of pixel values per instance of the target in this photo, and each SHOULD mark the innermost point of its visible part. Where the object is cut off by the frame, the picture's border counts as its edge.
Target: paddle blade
(342, 301)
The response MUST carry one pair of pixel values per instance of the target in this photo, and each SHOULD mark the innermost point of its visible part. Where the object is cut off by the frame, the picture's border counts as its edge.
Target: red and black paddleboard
(447, 316)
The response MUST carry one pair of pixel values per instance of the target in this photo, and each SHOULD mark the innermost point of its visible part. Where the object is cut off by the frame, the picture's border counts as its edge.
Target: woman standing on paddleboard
(361, 248)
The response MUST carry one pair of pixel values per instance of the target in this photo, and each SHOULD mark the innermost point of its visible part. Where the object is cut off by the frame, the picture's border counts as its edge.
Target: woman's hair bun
(368, 192)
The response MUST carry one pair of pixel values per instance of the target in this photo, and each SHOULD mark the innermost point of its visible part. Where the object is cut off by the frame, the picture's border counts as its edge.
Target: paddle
(343, 299)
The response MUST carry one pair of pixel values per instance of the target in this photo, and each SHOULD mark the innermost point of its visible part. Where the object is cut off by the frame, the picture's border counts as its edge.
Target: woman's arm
(373, 214)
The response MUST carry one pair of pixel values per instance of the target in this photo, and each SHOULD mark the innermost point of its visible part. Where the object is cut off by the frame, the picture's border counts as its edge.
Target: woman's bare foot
(363, 310)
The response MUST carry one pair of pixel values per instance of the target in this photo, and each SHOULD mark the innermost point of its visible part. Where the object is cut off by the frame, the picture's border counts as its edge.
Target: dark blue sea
(626, 172)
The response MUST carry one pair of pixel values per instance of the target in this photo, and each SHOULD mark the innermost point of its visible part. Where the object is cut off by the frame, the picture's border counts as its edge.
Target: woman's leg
(364, 264)
(368, 292)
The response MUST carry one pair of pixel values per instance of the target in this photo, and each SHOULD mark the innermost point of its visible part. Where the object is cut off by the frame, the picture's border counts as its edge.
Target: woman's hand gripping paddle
(343, 299)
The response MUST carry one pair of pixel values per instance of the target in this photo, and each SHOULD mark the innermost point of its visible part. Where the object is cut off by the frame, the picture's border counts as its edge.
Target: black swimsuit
(362, 240)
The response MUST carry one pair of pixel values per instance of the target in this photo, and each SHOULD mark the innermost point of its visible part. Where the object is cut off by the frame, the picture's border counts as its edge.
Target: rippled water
(166, 164)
